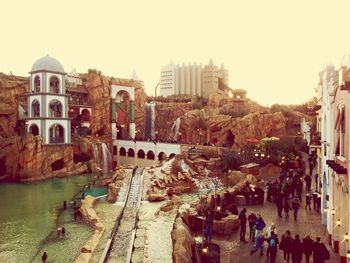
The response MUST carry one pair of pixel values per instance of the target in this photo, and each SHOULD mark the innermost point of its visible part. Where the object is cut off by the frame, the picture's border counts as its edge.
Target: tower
(48, 102)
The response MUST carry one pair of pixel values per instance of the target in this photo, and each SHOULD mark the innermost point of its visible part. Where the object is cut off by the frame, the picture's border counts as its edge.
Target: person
(212, 202)
(316, 182)
(260, 195)
(259, 225)
(218, 200)
(279, 204)
(297, 250)
(286, 245)
(64, 205)
(318, 203)
(320, 252)
(44, 257)
(271, 229)
(308, 201)
(272, 247)
(208, 226)
(286, 207)
(63, 231)
(295, 206)
(259, 243)
(308, 180)
(307, 247)
(242, 222)
(251, 219)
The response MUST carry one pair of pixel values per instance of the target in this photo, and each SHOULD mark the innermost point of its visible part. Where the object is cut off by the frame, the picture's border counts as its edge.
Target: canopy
(252, 140)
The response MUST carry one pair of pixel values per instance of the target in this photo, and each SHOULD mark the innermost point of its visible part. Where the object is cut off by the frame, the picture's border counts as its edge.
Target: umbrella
(270, 139)
(252, 140)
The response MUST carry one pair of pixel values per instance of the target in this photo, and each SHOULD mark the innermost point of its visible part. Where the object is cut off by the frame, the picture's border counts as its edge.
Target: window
(340, 129)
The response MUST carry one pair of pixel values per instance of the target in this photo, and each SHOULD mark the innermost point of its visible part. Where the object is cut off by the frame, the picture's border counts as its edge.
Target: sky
(274, 49)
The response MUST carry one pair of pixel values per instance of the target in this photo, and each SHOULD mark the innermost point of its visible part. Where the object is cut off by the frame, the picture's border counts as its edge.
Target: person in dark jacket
(279, 204)
(272, 247)
(242, 223)
(297, 250)
(308, 244)
(320, 252)
(208, 226)
(295, 206)
(308, 201)
(251, 220)
(259, 225)
(286, 245)
(308, 181)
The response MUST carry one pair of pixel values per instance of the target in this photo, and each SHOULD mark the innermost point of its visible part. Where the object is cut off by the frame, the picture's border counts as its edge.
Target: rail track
(120, 244)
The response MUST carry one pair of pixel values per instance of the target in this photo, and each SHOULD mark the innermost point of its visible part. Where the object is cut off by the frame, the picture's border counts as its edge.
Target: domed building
(48, 102)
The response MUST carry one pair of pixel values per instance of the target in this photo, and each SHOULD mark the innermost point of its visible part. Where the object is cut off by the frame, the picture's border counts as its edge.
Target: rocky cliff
(24, 158)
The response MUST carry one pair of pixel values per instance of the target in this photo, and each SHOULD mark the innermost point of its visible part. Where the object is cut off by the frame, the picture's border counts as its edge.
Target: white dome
(47, 63)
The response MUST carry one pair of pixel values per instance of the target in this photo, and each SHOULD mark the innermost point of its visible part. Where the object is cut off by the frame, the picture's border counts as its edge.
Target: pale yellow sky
(273, 49)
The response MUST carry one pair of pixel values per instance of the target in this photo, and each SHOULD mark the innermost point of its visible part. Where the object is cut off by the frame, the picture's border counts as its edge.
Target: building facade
(191, 79)
(333, 91)
(48, 102)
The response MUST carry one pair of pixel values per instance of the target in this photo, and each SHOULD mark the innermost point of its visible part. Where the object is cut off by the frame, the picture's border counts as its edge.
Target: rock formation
(182, 240)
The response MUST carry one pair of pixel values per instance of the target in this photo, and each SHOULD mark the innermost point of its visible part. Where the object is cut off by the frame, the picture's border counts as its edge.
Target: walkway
(309, 222)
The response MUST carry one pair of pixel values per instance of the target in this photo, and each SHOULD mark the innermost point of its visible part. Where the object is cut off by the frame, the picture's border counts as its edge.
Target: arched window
(35, 109)
(141, 154)
(161, 156)
(34, 129)
(122, 151)
(85, 115)
(55, 109)
(150, 155)
(131, 152)
(37, 84)
(54, 85)
(56, 133)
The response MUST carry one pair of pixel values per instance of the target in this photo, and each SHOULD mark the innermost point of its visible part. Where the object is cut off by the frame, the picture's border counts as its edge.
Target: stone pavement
(309, 222)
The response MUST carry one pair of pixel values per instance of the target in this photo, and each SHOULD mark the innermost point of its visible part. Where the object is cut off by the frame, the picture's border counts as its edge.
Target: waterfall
(175, 128)
(150, 120)
(106, 159)
(96, 155)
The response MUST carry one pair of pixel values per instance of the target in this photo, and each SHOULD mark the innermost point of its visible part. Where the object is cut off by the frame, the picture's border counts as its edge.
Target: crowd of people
(289, 195)
(293, 248)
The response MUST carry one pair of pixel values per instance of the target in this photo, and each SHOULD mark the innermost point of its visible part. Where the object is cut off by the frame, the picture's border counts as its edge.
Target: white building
(48, 102)
(74, 79)
(191, 79)
(326, 91)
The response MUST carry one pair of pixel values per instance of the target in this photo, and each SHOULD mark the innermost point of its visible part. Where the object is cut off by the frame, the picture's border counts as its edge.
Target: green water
(29, 215)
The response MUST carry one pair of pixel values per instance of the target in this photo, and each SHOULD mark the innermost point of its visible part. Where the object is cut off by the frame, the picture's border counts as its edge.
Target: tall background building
(191, 79)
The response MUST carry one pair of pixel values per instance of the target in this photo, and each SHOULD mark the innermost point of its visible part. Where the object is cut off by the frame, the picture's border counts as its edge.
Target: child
(259, 243)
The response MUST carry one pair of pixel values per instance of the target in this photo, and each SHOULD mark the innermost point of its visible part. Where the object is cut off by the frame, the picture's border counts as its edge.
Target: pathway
(309, 222)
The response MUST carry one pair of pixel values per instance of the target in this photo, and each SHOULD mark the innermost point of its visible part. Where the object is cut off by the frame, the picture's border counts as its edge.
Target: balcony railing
(59, 139)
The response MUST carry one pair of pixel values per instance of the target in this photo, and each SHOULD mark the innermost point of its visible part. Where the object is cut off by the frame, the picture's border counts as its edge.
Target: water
(96, 155)
(106, 159)
(150, 120)
(29, 219)
(175, 128)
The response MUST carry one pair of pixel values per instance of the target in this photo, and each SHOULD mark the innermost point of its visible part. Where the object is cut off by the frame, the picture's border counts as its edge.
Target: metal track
(120, 245)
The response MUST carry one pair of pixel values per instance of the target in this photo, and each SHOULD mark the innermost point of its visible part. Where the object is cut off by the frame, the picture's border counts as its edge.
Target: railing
(78, 102)
(59, 139)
